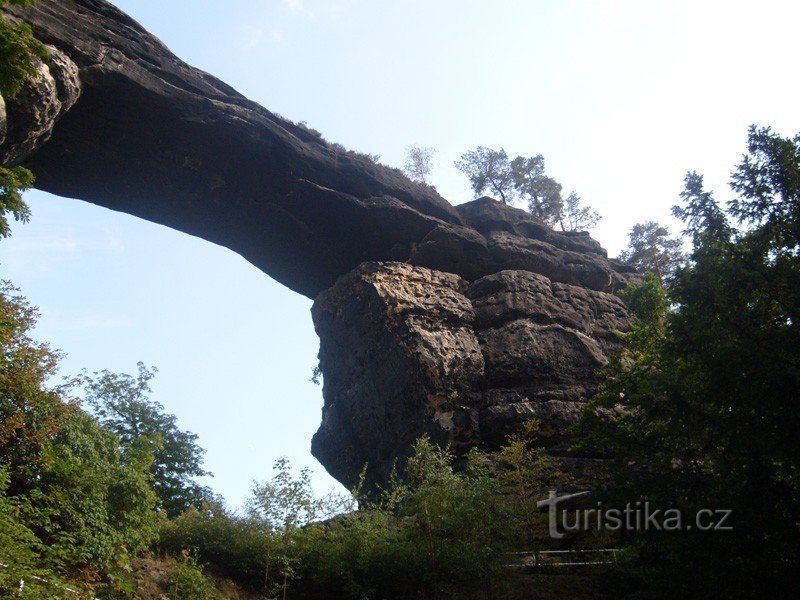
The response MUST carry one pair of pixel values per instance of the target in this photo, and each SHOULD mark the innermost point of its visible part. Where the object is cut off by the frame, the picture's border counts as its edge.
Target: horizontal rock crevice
(409, 351)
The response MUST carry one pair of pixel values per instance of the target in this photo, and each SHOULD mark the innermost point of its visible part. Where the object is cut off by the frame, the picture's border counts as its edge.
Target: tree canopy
(541, 192)
(121, 403)
(524, 178)
(711, 381)
(67, 492)
(651, 248)
(419, 163)
(488, 170)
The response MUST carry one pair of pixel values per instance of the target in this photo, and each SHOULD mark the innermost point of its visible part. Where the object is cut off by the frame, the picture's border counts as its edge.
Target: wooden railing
(536, 559)
(21, 587)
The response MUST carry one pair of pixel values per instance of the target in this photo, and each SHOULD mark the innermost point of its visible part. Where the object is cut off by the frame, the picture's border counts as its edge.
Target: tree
(543, 193)
(21, 552)
(62, 475)
(13, 181)
(18, 48)
(524, 471)
(574, 217)
(419, 162)
(120, 402)
(490, 170)
(711, 379)
(288, 501)
(652, 249)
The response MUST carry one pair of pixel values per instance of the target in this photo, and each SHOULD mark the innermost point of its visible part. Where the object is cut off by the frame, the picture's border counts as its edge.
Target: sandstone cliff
(458, 322)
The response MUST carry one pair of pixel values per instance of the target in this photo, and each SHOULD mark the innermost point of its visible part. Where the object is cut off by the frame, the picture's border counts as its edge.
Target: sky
(621, 97)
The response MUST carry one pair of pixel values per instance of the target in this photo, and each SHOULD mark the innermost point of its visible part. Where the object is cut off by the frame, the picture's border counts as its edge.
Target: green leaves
(120, 402)
(408, 543)
(490, 170)
(287, 501)
(524, 177)
(710, 381)
(17, 49)
(652, 249)
(768, 178)
(63, 474)
(543, 193)
(13, 181)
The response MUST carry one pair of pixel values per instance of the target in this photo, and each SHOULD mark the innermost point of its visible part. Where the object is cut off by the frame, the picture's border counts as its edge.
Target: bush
(189, 581)
(235, 547)
(69, 484)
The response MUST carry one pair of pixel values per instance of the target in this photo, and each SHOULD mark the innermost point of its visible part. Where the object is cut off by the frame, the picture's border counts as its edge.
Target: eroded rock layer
(456, 322)
(408, 351)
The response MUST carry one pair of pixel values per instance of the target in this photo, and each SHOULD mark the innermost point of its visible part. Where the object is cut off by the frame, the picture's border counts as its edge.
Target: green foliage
(91, 504)
(652, 249)
(524, 177)
(237, 547)
(419, 162)
(189, 581)
(30, 412)
(20, 551)
(437, 532)
(69, 485)
(768, 178)
(524, 470)
(13, 181)
(288, 501)
(120, 402)
(711, 379)
(17, 49)
(490, 170)
(542, 193)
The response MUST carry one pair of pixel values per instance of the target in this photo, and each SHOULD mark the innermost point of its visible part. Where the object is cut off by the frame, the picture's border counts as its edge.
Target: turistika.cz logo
(635, 516)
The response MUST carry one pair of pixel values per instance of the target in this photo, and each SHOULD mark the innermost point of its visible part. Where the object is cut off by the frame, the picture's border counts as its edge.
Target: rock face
(408, 351)
(459, 323)
(28, 119)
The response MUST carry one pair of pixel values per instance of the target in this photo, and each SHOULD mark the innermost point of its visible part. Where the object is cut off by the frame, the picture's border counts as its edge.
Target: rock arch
(458, 322)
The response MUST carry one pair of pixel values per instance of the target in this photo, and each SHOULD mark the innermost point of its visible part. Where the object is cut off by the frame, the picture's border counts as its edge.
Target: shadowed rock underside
(456, 322)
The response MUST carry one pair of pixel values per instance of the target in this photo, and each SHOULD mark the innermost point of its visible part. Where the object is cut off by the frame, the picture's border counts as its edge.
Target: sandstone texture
(408, 351)
(455, 322)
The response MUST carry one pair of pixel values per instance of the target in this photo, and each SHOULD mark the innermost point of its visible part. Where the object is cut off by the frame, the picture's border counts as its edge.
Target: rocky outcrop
(459, 323)
(156, 138)
(500, 237)
(27, 120)
(408, 351)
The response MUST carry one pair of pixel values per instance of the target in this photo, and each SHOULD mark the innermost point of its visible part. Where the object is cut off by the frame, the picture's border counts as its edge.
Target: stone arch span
(458, 322)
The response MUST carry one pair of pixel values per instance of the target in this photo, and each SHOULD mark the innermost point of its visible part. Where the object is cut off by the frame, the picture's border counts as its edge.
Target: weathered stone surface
(566, 266)
(486, 215)
(454, 249)
(29, 117)
(511, 295)
(156, 138)
(459, 323)
(396, 348)
(523, 352)
(502, 237)
(408, 351)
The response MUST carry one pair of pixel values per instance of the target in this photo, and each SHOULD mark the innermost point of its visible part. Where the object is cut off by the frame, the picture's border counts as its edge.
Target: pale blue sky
(622, 98)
